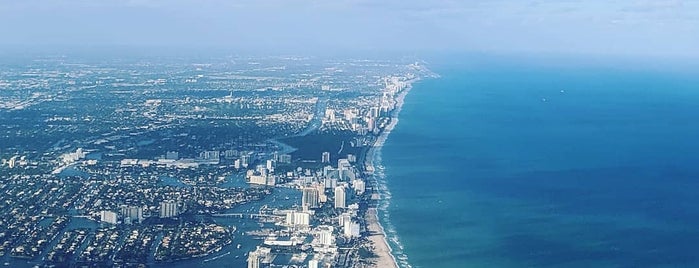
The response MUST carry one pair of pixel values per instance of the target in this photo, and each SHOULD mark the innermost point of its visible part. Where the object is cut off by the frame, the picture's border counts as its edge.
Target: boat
(238, 246)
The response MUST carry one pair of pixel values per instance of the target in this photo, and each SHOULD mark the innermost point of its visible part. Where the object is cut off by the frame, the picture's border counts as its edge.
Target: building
(133, 213)
(330, 115)
(350, 115)
(245, 160)
(270, 165)
(359, 186)
(344, 170)
(262, 170)
(261, 179)
(254, 260)
(257, 179)
(285, 158)
(330, 183)
(259, 256)
(325, 236)
(310, 197)
(343, 164)
(11, 163)
(351, 229)
(168, 209)
(325, 158)
(69, 158)
(108, 217)
(236, 164)
(322, 198)
(230, 154)
(295, 218)
(374, 112)
(371, 124)
(344, 217)
(313, 263)
(210, 155)
(172, 155)
(327, 170)
(340, 197)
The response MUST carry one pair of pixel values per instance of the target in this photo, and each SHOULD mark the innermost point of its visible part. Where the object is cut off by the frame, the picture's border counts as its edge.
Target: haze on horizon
(616, 27)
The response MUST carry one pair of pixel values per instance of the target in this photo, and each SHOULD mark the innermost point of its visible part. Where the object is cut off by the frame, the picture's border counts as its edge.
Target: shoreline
(378, 237)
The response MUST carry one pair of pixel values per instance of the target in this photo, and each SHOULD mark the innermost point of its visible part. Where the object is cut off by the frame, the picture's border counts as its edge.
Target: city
(349, 134)
(246, 161)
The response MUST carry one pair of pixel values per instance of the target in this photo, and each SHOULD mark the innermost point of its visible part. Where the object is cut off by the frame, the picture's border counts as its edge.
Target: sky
(616, 27)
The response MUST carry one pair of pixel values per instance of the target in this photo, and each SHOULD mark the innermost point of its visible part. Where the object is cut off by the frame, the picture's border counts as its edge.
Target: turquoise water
(517, 164)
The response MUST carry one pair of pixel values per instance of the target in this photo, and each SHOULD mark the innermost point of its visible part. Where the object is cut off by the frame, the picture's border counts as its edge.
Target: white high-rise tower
(340, 197)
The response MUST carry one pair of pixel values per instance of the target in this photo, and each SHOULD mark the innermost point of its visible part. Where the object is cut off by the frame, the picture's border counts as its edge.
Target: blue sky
(631, 27)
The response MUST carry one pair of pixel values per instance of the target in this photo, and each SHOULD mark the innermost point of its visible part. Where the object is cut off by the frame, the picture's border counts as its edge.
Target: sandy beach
(377, 235)
(378, 240)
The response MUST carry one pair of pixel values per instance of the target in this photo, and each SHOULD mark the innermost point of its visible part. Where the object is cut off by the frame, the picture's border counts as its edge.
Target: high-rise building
(340, 197)
(270, 165)
(309, 198)
(313, 263)
(344, 169)
(262, 170)
(343, 164)
(236, 164)
(230, 154)
(108, 217)
(325, 158)
(245, 160)
(285, 158)
(344, 217)
(359, 186)
(371, 124)
(320, 188)
(168, 209)
(325, 235)
(351, 229)
(327, 170)
(374, 112)
(254, 260)
(210, 155)
(295, 218)
(134, 213)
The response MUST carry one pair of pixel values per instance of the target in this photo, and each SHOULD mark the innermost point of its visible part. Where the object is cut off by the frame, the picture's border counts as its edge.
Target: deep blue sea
(526, 164)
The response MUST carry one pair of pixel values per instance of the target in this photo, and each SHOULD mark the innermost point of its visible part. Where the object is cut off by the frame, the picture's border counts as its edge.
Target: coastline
(377, 236)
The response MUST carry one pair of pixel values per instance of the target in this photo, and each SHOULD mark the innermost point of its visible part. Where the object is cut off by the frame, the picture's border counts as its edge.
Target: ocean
(521, 163)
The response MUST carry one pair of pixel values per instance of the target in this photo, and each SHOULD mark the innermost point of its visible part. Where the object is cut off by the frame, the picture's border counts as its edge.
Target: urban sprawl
(264, 162)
